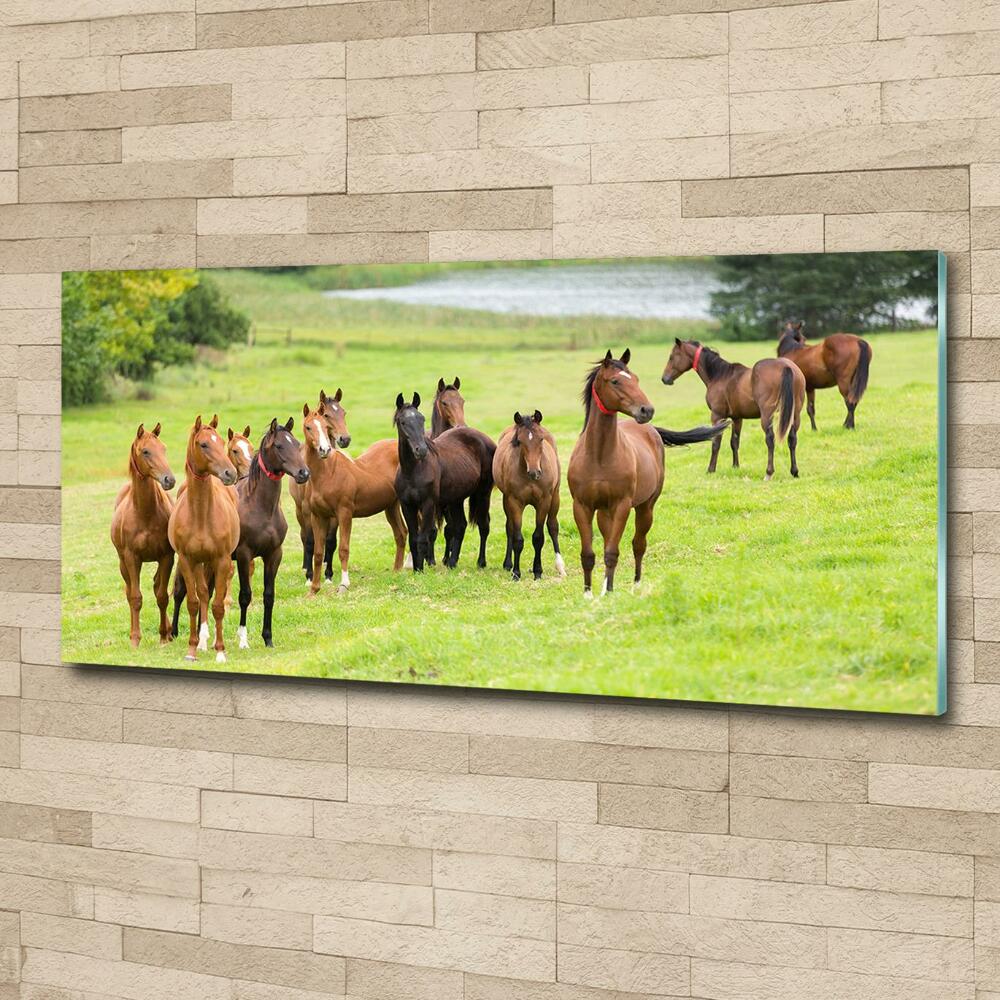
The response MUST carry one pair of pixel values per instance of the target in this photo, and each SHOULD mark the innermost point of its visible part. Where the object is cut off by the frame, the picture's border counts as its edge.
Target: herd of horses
(228, 510)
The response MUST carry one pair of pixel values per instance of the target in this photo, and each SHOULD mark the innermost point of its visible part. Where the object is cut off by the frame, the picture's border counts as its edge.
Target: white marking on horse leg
(190, 658)
(408, 561)
(203, 637)
(604, 587)
(242, 633)
(345, 581)
(588, 594)
(560, 564)
(220, 657)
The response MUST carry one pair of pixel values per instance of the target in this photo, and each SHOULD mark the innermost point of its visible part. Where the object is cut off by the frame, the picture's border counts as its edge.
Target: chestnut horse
(449, 407)
(203, 530)
(526, 472)
(773, 385)
(436, 476)
(240, 452)
(618, 467)
(342, 488)
(139, 526)
(842, 359)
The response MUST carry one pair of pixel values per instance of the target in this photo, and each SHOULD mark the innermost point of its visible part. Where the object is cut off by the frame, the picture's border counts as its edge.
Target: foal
(526, 471)
(449, 407)
(773, 385)
(139, 526)
(203, 530)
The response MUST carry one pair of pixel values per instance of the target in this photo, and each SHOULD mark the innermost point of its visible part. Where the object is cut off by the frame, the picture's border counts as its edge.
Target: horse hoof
(134, 642)
(537, 576)
(515, 577)
(588, 594)
(220, 657)
(342, 589)
(165, 640)
(560, 565)
(269, 643)
(408, 562)
(768, 476)
(191, 658)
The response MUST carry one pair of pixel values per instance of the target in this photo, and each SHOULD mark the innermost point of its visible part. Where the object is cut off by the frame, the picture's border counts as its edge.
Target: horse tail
(786, 401)
(860, 381)
(673, 438)
(479, 501)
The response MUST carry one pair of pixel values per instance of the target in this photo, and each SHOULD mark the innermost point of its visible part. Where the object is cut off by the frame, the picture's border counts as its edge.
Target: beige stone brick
(662, 159)
(488, 15)
(782, 944)
(32, 41)
(965, 789)
(423, 212)
(42, 77)
(482, 913)
(413, 56)
(899, 18)
(408, 750)
(43, 542)
(254, 925)
(934, 100)
(337, 248)
(54, 11)
(440, 830)
(42, 895)
(141, 251)
(549, 87)
(511, 244)
(986, 273)
(899, 871)
(288, 701)
(984, 183)
(39, 149)
(268, 61)
(823, 107)
(114, 109)
(277, 175)
(309, 856)
(415, 133)
(124, 181)
(145, 836)
(142, 33)
(497, 875)
(984, 228)
(282, 98)
(394, 904)
(918, 955)
(40, 823)
(465, 169)
(611, 41)
(799, 778)
(143, 909)
(819, 23)
(597, 203)
(897, 231)
(257, 813)
(8, 187)
(714, 854)
(664, 808)
(280, 776)
(623, 970)
(386, 981)
(250, 216)
(298, 740)
(985, 581)
(516, 958)
(333, 22)
(623, 888)
(22, 256)
(81, 937)
(528, 798)
(295, 969)
(651, 79)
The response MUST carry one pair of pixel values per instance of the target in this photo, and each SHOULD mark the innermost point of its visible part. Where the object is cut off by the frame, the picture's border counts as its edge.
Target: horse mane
(588, 386)
(253, 476)
(788, 342)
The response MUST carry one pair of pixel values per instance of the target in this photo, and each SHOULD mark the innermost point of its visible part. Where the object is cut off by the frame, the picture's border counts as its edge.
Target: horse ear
(626, 356)
(339, 395)
(440, 385)
(457, 383)
(289, 423)
(230, 434)
(197, 422)
(607, 357)
(798, 326)
(246, 431)
(400, 402)
(140, 430)
(416, 399)
(322, 397)
(305, 409)
(677, 341)
(274, 425)
(517, 416)
(157, 429)
(538, 416)
(215, 421)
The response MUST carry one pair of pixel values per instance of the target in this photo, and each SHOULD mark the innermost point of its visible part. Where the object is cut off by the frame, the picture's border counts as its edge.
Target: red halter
(697, 357)
(274, 476)
(597, 399)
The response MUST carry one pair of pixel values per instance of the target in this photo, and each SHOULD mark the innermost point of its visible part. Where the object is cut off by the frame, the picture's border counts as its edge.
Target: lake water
(645, 291)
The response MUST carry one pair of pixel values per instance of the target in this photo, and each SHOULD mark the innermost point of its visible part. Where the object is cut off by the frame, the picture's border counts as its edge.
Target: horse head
(529, 439)
(281, 453)
(149, 457)
(410, 425)
(449, 406)
(206, 453)
(315, 430)
(333, 412)
(681, 360)
(615, 389)
(240, 451)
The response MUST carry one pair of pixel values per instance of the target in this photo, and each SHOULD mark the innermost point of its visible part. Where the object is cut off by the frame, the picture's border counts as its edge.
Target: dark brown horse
(203, 530)
(842, 359)
(449, 407)
(617, 467)
(139, 526)
(438, 475)
(773, 385)
(526, 471)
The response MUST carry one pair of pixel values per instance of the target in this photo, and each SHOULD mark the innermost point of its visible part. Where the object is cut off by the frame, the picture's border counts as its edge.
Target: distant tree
(829, 292)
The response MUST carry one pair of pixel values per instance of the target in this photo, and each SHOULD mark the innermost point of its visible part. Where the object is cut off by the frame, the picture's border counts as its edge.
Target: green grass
(811, 592)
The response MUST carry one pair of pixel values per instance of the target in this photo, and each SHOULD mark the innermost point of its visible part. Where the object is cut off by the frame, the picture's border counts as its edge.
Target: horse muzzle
(534, 475)
(302, 476)
(643, 414)
(228, 477)
(668, 380)
(343, 441)
(168, 482)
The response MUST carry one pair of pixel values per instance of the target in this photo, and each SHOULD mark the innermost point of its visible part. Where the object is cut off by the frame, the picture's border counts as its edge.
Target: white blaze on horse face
(626, 375)
(531, 437)
(245, 448)
(324, 442)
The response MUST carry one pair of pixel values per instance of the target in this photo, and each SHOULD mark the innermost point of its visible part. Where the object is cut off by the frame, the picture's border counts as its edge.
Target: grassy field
(812, 592)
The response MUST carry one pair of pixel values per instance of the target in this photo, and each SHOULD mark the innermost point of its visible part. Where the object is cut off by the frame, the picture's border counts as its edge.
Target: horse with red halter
(617, 467)
(139, 526)
(772, 386)
(526, 472)
(438, 476)
(204, 529)
(842, 359)
(449, 407)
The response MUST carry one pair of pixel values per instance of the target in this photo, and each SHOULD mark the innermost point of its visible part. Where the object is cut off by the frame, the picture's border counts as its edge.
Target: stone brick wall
(170, 837)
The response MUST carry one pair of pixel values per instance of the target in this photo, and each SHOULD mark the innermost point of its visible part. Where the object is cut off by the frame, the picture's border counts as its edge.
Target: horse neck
(200, 491)
(266, 493)
(145, 489)
(601, 434)
(437, 421)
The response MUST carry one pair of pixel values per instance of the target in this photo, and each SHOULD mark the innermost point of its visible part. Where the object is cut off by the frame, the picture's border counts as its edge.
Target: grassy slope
(816, 592)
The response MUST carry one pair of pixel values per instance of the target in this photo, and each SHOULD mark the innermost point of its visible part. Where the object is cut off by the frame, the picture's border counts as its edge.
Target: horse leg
(305, 533)
(716, 444)
(811, 406)
(180, 592)
(344, 550)
(734, 440)
(515, 516)
(844, 385)
(643, 522)
(189, 574)
(204, 594)
(243, 565)
(612, 525)
(508, 556)
(584, 517)
(412, 518)
(131, 568)
(431, 541)
(223, 575)
(455, 519)
(428, 528)
(271, 563)
(793, 440)
(767, 424)
(329, 549)
(321, 529)
(538, 539)
(161, 587)
(395, 518)
(552, 523)
(483, 523)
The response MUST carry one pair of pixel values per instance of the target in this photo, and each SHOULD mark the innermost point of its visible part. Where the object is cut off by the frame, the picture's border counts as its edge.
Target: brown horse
(332, 410)
(449, 407)
(842, 359)
(526, 471)
(139, 526)
(618, 467)
(240, 452)
(773, 385)
(203, 530)
(342, 488)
